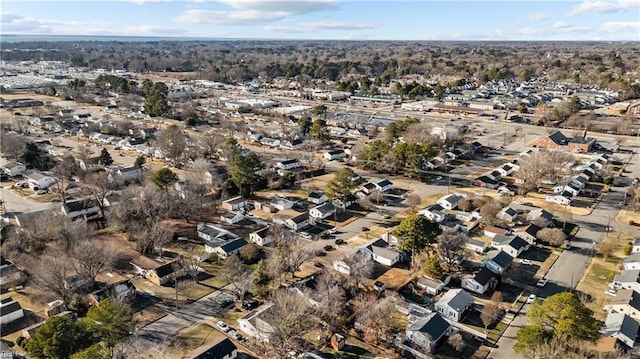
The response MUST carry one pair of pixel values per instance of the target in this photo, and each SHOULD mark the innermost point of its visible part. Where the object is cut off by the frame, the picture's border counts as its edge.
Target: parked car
(365, 229)
(542, 282)
(223, 326)
(333, 230)
(525, 261)
(568, 246)
(611, 292)
(328, 248)
(339, 241)
(235, 335)
(42, 191)
(305, 235)
(532, 298)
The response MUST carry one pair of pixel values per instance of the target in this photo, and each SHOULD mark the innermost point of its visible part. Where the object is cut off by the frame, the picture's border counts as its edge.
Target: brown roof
(496, 230)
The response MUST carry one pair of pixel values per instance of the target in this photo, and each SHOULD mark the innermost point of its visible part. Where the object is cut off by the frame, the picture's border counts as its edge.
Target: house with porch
(427, 333)
(482, 282)
(497, 261)
(453, 304)
(626, 301)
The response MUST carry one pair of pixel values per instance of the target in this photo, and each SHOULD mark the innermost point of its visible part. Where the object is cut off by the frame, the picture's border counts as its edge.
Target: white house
(10, 311)
(261, 237)
(428, 332)
(10, 275)
(632, 261)
(12, 168)
(626, 301)
(83, 207)
(282, 203)
(622, 327)
(636, 246)
(126, 174)
(450, 201)
(435, 213)
(317, 198)
(482, 282)
(559, 199)
(288, 164)
(432, 286)
(379, 252)
(231, 217)
(628, 279)
(234, 204)
(497, 261)
(298, 222)
(476, 245)
(384, 185)
(342, 267)
(38, 180)
(334, 155)
(219, 241)
(453, 304)
(254, 326)
(512, 245)
(322, 211)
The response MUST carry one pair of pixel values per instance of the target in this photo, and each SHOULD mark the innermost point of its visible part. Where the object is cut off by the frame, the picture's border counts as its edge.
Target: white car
(235, 335)
(305, 235)
(525, 261)
(532, 298)
(542, 282)
(223, 326)
(333, 230)
(611, 292)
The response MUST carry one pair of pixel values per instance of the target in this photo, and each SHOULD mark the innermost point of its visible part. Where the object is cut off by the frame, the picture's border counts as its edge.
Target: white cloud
(616, 26)
(253, 11)
(539, 16)
(603, 7)
(14, 23)
(560, 25)
(336, 25)
(142, 2)
(558, 28)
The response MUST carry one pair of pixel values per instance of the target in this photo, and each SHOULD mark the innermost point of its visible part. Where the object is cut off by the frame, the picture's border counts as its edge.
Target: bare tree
(413, 200)
(172, 142)
(450, 248)
(553, 236)
(289, 318)
(606, 248)
(376, 324)
(100, 186)
(492, 310)
(331, 298)
(93, 257)
(489, 210)
(456, 342)
(64, 171)
(238, 276)
(210, 142)
(49, 273)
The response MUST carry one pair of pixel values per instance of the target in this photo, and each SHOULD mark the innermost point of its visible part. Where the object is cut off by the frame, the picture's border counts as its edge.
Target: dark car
(339, 241)
(318, 264)
(365, 229)
(328, 248)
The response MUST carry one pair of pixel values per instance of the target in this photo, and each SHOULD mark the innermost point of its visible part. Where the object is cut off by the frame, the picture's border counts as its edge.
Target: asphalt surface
(15, 204)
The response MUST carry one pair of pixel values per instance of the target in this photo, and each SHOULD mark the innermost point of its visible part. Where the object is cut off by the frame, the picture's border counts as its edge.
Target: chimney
(584, 134)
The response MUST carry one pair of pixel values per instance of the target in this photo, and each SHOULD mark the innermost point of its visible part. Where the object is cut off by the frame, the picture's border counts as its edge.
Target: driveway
(15, 204)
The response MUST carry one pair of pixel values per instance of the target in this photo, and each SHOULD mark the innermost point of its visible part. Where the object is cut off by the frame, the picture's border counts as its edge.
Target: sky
(534, 20)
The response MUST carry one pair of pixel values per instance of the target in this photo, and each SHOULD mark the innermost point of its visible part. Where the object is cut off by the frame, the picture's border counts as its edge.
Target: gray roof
(233, 245)
(621, 323)
(627, 296)
(633, 258)
(558, 138)
(433, 325)
(499, 257)
(457, 299)
(476, 242)
(627, 276)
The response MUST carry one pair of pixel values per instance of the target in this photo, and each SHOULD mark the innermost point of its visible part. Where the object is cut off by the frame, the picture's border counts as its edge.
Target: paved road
(168, 326)
(15, 204)
(571, 264)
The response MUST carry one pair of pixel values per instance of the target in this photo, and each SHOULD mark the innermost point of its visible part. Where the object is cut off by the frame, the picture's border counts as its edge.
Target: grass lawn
(595, 282)
(192, 337)
(473, 320)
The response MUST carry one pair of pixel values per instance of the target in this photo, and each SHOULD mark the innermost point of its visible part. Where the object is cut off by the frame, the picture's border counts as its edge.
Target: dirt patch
(395, 278)
(193, 337)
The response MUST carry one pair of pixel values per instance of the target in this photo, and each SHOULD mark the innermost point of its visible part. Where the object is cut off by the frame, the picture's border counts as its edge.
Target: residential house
(220, 241)
(384, 185)
(379, 251)
(494, 175)
(491, 231)
(125, 174)
(10, 275)
(231, 217)
(428, 332)
(626, 301)
(295, 144)
(122, 292)
(334, 155)
(10, 311)
(632, 261)
(558, 141)
(357, 133)
(368, 188)
(621, 326)
(281, 203)
(90, 164)
(572, 188)
(254, 326)
(485, 182)
(12, 168)
(497, 261)
(6, 352)
(234, 204)
(317, 198)
(162, 274)
(636, 246)
(433, 286)
(476, 245)
(528, 233)
(559, 199)
(221, 349)
(540, 217)
(261, 237)
(322, 211)
(345, 202)
(453, 304)
(450, 201)
(38, 180)
(508, 214)
(83, 207)
(628, 279)
(288, 164)
(483, 282)
(342, 267)
(512, 245)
